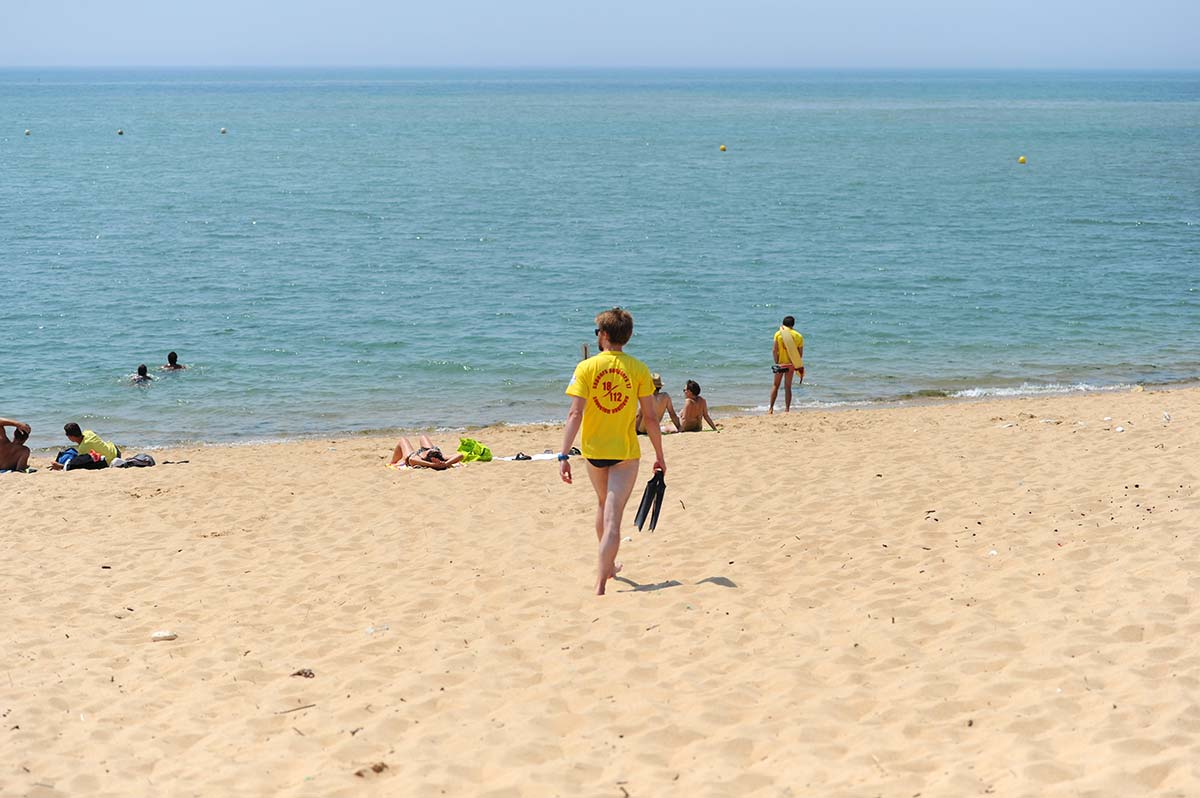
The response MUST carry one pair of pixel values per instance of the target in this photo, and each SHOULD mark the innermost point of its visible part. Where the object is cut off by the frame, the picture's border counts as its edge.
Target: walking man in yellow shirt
(788, 352)
(606, 392)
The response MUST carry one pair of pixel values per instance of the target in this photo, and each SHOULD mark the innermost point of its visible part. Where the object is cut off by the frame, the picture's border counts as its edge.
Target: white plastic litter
(163, 635)
(1120, 429)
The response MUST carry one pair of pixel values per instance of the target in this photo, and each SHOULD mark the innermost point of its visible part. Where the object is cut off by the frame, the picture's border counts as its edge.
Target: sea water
(384, 249)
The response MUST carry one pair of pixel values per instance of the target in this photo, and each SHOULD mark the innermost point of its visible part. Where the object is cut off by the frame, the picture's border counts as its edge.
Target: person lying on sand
(427, 456)
(86, 442)
(662, 404)
(695, 409)
(14, 454)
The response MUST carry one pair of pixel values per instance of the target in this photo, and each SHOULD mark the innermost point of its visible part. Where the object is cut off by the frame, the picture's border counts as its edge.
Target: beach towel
(789, 344)
(472, 451)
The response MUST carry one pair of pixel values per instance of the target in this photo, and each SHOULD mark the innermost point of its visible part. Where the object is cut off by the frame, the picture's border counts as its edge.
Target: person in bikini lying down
(426, 456)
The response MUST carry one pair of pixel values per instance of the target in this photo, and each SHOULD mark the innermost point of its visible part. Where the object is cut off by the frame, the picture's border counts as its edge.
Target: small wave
(1028, 389)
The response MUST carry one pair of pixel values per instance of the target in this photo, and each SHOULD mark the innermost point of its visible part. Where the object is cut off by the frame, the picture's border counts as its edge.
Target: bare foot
(770, 411)
(617, 568)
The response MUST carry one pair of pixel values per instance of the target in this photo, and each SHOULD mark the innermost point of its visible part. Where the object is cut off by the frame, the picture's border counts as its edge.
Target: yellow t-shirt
(93, 443)
(784, 358)
(612, 383)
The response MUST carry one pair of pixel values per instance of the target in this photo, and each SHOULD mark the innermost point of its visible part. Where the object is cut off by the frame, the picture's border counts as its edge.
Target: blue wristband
(562, 457)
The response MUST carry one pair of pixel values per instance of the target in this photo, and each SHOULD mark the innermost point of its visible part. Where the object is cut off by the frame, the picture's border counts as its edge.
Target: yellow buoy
(1021, 159)
(722, 148)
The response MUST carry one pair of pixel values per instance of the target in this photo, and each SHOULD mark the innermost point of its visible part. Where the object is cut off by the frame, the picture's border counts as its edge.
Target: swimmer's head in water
(142, 371)
(171, 358)
(617, 324)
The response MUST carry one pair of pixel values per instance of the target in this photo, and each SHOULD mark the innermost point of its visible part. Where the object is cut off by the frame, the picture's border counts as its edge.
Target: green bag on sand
(472, 451)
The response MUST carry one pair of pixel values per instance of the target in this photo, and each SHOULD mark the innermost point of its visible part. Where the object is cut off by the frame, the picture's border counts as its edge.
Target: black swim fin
(651, 502)
(644, 506)
(659, 492)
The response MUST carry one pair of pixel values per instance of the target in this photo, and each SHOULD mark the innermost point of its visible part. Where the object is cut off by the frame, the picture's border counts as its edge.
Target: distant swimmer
(662, 404)
(141, 378)
(788, 353)
(695, 409)
(173, 363)
(14, 454)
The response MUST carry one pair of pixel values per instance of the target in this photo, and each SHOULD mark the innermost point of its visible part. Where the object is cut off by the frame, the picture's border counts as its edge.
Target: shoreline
(722, 412)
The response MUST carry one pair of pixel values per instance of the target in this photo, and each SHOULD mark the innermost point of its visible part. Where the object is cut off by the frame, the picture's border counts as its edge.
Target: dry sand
(994, 597)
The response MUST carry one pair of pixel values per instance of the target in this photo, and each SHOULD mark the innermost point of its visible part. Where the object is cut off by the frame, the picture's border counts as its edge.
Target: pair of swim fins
(652, 501)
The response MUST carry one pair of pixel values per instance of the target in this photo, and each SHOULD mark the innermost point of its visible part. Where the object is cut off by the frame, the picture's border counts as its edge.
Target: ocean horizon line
(623, 68)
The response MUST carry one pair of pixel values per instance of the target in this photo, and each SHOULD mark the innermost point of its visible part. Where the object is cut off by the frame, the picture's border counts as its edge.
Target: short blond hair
(617, 324)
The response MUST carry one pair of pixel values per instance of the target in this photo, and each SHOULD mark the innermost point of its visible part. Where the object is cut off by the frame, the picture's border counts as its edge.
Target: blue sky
(559, 33)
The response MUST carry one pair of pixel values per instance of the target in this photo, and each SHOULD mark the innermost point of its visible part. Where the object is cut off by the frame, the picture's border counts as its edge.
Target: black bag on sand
(84, 461)
(656, 488)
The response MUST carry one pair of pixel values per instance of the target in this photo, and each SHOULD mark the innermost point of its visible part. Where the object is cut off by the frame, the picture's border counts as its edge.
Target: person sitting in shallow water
(427, 456)
(173, 363)
(141, 378)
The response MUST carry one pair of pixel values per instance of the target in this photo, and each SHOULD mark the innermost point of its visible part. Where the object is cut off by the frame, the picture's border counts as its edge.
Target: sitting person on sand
(14, 454)
(428, 456)
(141, 378)
(662, 404)
(173, 363)
(86, 442)
(695, 409)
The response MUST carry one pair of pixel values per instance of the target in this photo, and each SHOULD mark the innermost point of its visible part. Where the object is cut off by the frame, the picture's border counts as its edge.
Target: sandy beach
(946, 600)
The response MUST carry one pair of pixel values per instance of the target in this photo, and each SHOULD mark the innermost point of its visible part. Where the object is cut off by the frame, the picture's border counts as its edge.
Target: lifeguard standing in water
(607, 390)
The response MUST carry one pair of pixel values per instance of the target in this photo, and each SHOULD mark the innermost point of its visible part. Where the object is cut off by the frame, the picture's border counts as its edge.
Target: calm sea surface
(380, 249)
